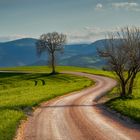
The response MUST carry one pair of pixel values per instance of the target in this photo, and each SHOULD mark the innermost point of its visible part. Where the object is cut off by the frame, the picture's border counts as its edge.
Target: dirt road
(78, 116)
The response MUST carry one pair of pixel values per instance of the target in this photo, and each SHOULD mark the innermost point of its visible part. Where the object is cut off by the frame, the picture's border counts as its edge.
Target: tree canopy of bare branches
(51, 43)
(122, 51)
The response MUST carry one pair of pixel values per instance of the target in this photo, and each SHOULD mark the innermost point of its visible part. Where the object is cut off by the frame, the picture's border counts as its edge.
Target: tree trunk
(131, 84)
(53, 63)
(123, 90)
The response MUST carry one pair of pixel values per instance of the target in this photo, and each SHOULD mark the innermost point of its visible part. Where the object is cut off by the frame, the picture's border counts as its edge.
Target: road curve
(78, 116)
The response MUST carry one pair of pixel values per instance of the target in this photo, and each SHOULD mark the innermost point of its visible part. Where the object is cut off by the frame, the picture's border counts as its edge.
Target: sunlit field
(129, 107)
(20, 92)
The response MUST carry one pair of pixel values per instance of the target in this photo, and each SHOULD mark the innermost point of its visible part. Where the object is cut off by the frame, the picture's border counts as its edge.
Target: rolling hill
(23, 52)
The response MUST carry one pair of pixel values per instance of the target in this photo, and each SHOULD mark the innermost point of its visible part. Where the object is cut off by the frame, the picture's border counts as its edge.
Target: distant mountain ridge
(23, 52)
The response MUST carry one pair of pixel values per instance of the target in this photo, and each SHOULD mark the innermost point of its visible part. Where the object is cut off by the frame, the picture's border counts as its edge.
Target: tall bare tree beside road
(52, 43)
(122, 51)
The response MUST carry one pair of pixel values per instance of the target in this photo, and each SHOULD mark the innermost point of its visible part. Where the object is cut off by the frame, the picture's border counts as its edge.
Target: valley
(83, 55)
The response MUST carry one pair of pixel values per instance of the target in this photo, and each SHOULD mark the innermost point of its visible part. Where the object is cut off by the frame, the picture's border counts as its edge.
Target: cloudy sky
(81, 20)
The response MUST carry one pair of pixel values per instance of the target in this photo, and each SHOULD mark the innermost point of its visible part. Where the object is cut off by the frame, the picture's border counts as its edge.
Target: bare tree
(51, 43)
(122, 51)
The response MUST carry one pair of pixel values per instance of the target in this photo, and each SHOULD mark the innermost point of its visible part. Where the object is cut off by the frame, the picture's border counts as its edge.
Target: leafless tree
(52, 43)
(122, 51)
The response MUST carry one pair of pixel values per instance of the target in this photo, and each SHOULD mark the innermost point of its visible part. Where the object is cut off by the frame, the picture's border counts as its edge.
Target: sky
(80, 20)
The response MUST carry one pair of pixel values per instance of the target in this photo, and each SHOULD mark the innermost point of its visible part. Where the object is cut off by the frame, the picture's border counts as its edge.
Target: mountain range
(22, 52)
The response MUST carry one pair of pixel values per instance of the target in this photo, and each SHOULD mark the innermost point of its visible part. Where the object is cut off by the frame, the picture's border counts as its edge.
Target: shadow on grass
(116, 117)
(35, 77)
(5, 75)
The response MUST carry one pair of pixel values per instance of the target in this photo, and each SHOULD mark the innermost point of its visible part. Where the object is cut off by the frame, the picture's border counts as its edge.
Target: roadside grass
(20, 92)
(9, 120)
(128, 107)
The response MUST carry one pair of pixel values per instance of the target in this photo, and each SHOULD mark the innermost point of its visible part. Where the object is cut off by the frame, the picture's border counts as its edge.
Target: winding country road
(78, 116)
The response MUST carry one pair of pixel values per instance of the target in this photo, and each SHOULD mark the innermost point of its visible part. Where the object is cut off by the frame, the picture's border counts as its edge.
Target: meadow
(128, 107)
(20, 92)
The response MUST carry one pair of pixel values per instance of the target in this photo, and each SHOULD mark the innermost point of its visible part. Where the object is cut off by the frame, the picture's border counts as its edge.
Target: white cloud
(99, 6)
(127, 6)
(89, 34)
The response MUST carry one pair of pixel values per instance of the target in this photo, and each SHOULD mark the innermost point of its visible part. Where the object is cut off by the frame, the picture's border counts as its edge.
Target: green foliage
(9, 120)
(19, 92)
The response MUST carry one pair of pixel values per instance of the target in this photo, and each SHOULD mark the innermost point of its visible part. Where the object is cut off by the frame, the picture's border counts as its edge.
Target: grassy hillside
(22, 52)
(20, 92)
(128, 107)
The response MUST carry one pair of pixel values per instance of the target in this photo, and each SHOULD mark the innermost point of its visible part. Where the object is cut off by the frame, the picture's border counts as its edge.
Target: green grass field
(20, 92)
(127, 107)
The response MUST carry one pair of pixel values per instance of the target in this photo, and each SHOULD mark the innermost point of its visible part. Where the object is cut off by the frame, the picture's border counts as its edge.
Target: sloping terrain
(79, 116)
(19, 92)
(23, 52)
